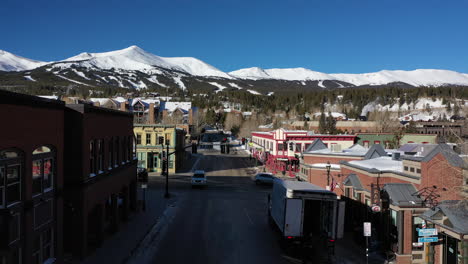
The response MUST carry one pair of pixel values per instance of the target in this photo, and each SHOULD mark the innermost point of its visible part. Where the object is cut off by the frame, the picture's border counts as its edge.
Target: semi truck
(303, 212)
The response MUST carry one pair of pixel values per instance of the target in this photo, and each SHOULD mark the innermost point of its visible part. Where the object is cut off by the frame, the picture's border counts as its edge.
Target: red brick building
(100, 185)
(31, 179)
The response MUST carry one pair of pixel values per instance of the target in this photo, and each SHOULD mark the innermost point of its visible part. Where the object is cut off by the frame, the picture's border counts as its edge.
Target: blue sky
(350, 36)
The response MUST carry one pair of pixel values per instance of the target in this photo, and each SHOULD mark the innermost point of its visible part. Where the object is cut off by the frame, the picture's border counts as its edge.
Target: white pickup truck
(303, 212)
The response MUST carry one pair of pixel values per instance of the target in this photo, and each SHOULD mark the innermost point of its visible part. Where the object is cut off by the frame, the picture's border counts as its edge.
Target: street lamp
(328, 166)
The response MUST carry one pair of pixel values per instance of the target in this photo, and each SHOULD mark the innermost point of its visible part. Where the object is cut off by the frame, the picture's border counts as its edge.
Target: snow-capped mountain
(135, 58)
(135, 68)
(12, 62)
(420, 77)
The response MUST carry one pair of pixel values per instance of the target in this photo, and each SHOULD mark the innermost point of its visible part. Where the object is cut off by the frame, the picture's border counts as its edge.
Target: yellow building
(148, 140)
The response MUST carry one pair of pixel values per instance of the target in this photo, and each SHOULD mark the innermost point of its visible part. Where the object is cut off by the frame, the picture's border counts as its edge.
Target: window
(348, 192)
(10, 177)
(111, 153)
(148, 139)
(138, 139)
(307, 145)
(43, 169)
(171, 162)
(298, 147)
(418, 170)
(117, 152)
(92, 158)
(43, 249)
(366, 143)
(280, 146)
(100, 155)
(405, 168)
(411, 169)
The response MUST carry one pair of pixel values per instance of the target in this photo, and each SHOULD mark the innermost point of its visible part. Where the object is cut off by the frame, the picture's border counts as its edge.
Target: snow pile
(12, 62)
(333, 114)
(254, 92)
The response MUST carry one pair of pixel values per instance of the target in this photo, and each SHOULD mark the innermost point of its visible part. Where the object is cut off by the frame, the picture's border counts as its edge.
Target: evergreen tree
(322, 124)
(331, 124)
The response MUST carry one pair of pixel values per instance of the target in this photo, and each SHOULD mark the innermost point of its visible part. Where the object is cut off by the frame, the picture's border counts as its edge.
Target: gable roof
(451, 156)
(375, 151)
(456, 213)
(354, 181)
(317, 144)
(403, 194)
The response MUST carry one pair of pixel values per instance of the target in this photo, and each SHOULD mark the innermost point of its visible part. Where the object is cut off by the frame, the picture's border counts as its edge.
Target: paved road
(223, 223)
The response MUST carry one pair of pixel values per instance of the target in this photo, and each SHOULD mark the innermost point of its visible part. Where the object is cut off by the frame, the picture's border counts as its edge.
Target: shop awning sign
(427, 232)
(428, 239)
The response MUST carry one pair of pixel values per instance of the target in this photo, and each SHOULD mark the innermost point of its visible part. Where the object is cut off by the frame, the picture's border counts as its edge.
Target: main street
(225, 222)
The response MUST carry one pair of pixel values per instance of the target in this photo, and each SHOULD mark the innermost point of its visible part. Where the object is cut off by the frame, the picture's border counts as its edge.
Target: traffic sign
(428, 239)
(427, 232)
(367, 229)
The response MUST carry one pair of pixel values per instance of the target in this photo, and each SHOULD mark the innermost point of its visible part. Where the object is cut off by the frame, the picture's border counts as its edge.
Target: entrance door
(150, 161)
(450, 251)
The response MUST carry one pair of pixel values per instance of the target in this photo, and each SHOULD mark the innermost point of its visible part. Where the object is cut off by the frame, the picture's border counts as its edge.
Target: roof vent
(396, 156)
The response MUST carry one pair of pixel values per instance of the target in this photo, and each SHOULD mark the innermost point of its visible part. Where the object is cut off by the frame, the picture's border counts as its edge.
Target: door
(293, 219)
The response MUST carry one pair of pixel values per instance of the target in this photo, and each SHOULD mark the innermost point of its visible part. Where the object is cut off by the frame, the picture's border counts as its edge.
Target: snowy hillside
(12, 62)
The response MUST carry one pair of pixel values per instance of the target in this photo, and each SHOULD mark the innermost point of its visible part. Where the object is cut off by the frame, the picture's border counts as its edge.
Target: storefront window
(43, 247)
(394, 230)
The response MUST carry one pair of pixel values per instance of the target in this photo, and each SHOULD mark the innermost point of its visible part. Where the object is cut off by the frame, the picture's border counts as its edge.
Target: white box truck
(303, 212)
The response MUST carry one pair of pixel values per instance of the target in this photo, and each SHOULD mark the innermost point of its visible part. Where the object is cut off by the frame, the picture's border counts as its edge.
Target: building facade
(387, 140)
(100, 185)
(31, 179)
(149, 148)
(280, 149)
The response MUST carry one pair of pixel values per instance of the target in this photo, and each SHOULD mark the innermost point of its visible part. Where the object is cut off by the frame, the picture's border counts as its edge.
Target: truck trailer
(304, 212)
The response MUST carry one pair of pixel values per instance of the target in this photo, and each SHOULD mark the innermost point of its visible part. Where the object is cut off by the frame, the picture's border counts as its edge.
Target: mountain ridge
(134, 58)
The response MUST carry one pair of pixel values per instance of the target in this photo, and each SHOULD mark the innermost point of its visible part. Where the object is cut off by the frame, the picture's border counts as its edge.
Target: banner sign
(428, 239)
(375, 195)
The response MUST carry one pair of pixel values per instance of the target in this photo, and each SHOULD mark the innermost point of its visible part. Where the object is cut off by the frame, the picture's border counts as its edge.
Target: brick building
(100, 184)
(31, 179)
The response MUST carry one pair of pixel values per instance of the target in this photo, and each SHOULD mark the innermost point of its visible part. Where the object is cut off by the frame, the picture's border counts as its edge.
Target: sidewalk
(119, 247)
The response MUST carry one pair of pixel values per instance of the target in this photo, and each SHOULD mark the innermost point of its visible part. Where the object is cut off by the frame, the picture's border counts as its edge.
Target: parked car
(265, 178)
(199, 178)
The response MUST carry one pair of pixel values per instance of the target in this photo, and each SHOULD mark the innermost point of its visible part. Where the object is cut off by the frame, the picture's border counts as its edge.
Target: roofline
(13, 98)
(88, 108)
(376, 171)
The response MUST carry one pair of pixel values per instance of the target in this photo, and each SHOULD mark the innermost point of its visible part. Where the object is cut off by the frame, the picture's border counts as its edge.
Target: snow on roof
(324, 166)
(381, 164)
(171, 106)
(120, 99)
(101, 101)
(53, 97)
(302, 186)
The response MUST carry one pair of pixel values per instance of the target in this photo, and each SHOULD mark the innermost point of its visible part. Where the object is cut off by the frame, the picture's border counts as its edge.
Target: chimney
(396, 156)
(151, 114)
(123, 106)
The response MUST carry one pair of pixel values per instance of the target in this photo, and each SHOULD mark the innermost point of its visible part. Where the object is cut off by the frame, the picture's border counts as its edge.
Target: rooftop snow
(381, 164)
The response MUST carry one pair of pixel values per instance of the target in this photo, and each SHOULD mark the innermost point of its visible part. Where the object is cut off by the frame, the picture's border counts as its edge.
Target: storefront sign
(428, 239)
(367, 229)
(375, 195)
(427, 232)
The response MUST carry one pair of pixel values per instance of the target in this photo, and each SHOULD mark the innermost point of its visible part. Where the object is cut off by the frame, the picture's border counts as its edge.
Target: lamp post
(167, 195)
(328, 166)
